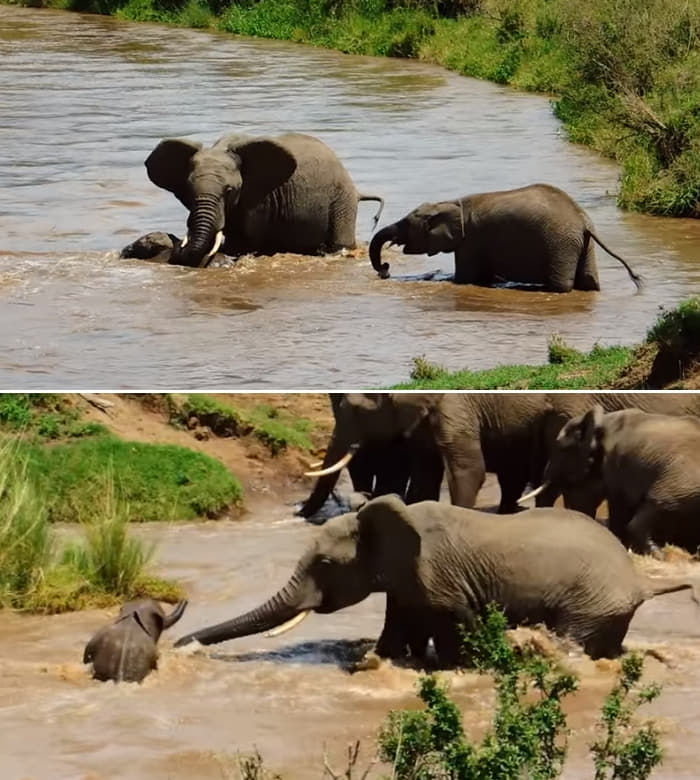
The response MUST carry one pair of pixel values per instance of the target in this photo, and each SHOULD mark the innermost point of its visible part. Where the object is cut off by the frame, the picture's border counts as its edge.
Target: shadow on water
(339, 652)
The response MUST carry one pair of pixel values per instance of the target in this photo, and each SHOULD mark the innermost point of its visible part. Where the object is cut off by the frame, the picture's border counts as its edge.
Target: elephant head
(237, 173)
(362, 418)
(352, 556)
(428, 229)
(150, 616)
(574, 463)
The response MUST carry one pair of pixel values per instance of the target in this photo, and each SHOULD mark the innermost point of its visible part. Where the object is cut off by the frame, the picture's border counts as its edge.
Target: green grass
(577, 370)
(276, 428)
(37, 575)
(625, 73)
(671, 347)
(45, 416)
(156, 481)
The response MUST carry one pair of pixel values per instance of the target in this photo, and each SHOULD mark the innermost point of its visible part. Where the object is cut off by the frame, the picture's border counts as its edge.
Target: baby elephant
(126, 649)
(532, 235)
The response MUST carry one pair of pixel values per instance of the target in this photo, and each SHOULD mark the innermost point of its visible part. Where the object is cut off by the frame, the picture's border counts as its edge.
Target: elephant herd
(440, 563)
(291, 193)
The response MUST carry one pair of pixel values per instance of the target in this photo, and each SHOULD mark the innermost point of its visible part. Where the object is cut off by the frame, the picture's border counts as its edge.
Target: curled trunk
(386, 234)
(175, 615)
(202, 227)
(283, 606)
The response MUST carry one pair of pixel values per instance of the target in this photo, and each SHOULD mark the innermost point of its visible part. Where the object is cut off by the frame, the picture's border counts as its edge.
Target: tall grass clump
(108, 558)
(25, 541)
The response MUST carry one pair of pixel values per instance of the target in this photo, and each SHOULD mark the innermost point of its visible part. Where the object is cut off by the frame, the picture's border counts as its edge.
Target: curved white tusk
(289, 625)
(533, 493)
(332, 469)
(184, 241)
(217, 243)
(316, 465)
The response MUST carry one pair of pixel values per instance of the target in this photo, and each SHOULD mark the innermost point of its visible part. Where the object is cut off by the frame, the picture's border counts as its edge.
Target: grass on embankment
(274, 427)
(626, 72)
(154, 481)
(105, 566)
(670, 352)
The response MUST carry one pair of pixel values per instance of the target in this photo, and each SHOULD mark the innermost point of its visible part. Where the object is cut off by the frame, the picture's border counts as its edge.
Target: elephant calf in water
(534, 235)
(127, 648)
(441, 565)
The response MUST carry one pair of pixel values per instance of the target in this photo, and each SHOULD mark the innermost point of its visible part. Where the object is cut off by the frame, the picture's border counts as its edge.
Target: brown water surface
(84, 99)
(288, 696)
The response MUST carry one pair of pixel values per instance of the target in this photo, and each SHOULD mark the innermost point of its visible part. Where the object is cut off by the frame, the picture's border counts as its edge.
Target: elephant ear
(388, 537)
(150, 617)
(168, 166)
(446, 226)
(265, 166)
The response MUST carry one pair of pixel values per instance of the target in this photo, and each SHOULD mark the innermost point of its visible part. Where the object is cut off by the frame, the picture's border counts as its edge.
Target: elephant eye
(325, 560)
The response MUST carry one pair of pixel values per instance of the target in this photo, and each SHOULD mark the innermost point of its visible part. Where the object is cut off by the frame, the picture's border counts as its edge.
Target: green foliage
(558, 351)
(624, 752)
(678, 330)
(598, 368)
(275, 428)
(25, 542)
(156, 481)
(423, 369)
(36, 576)
(527, 738)
(45, 415)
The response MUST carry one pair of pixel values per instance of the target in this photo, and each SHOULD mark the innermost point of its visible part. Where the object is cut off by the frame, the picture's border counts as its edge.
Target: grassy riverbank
(668, 358)
(626, 73)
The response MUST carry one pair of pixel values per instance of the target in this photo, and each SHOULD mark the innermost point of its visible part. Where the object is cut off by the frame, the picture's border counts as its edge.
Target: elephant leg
(587, 269)
(466, 471)
(584, 499)
(427, 471)
(341, 223)
(392, 642)
(471, 267)
(639, 531)
(512, 482)
(447, 639)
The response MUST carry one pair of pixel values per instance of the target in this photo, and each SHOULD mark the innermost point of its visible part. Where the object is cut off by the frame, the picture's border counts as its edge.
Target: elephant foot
(369, 661)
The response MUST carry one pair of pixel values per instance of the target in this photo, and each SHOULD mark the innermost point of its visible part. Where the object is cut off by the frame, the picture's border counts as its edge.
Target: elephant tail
(380, 201)
(636, 278)
(658, 586)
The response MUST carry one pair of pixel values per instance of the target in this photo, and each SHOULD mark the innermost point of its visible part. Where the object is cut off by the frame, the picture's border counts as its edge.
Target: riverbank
(99, 464)
(667, 359)
(626, 76)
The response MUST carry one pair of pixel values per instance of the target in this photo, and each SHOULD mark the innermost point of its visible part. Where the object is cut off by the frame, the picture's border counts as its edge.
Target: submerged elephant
(535, 235)
(647, 466)
(258, 195)
(441, 565)
(127, 648)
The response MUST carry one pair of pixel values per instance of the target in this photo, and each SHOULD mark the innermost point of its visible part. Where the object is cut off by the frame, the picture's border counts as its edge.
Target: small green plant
(559, 352)
(527, 738)
(423, 369)
(624, 752)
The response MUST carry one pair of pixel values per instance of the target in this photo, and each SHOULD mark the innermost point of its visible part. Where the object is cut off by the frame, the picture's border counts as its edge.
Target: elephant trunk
(337, 451)
(175, 615)
(202, 228)
(285, 605)
(389, 233)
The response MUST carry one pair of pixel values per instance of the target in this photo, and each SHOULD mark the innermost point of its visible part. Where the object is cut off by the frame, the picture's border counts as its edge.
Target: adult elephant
(647, 467)
(563, 407)
(535, 235)
(442, 565)
(259, 195)
(467, 433)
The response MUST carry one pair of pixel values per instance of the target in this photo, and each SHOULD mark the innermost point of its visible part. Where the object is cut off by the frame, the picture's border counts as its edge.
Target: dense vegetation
(669, 354)
(625, 73)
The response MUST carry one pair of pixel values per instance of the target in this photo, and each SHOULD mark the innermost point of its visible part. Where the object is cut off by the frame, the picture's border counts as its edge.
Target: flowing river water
(84, 99)
(290, 697)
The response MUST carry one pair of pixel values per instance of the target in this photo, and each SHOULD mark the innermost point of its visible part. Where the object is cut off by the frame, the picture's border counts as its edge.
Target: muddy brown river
(84, 99)
(290, 697)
